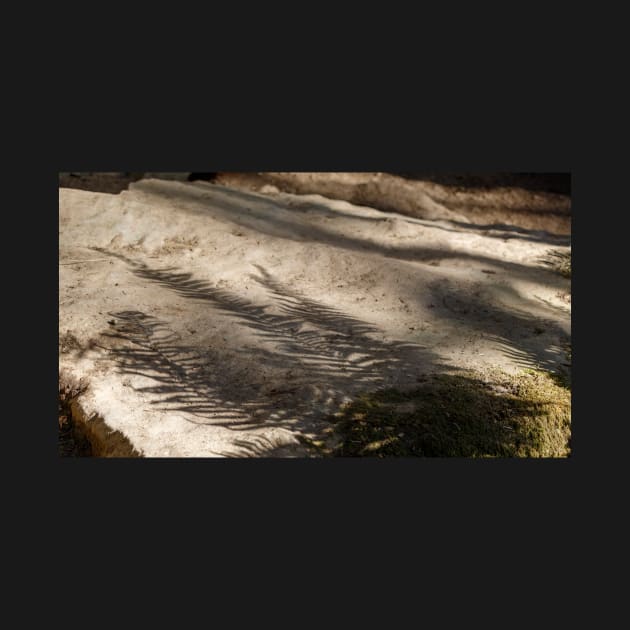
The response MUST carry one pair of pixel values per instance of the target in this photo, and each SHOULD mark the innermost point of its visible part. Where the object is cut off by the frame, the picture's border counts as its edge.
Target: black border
(462, 135)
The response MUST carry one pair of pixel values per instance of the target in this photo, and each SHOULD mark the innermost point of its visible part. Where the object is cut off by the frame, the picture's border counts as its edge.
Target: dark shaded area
(112, 183)
(559, 183)
(70, 441)
(460, 416)
(203, 177)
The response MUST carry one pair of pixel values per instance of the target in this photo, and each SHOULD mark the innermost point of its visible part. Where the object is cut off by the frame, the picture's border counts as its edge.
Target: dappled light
(301, 315)
(324, 353)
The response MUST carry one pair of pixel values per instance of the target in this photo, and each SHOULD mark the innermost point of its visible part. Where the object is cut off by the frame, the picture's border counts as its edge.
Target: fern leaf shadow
(331, 354)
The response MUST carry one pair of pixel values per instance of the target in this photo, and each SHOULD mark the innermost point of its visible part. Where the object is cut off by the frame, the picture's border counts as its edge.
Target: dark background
(559, 183)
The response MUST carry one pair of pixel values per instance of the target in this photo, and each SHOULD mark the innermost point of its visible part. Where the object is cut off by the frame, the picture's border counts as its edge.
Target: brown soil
(112, 183)
(529, 201)
(70, 442)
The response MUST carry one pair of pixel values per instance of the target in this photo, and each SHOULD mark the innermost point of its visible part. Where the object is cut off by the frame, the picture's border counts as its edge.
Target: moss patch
(527, 415)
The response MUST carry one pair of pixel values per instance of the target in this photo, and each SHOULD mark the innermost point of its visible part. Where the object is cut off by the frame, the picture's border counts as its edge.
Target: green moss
(527, 415)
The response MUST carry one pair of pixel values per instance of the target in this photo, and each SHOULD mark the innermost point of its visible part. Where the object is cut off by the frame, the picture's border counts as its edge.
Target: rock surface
(212, 321)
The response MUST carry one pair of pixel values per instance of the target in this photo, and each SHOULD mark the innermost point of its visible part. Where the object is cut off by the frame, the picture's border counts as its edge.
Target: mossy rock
(527, 415)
